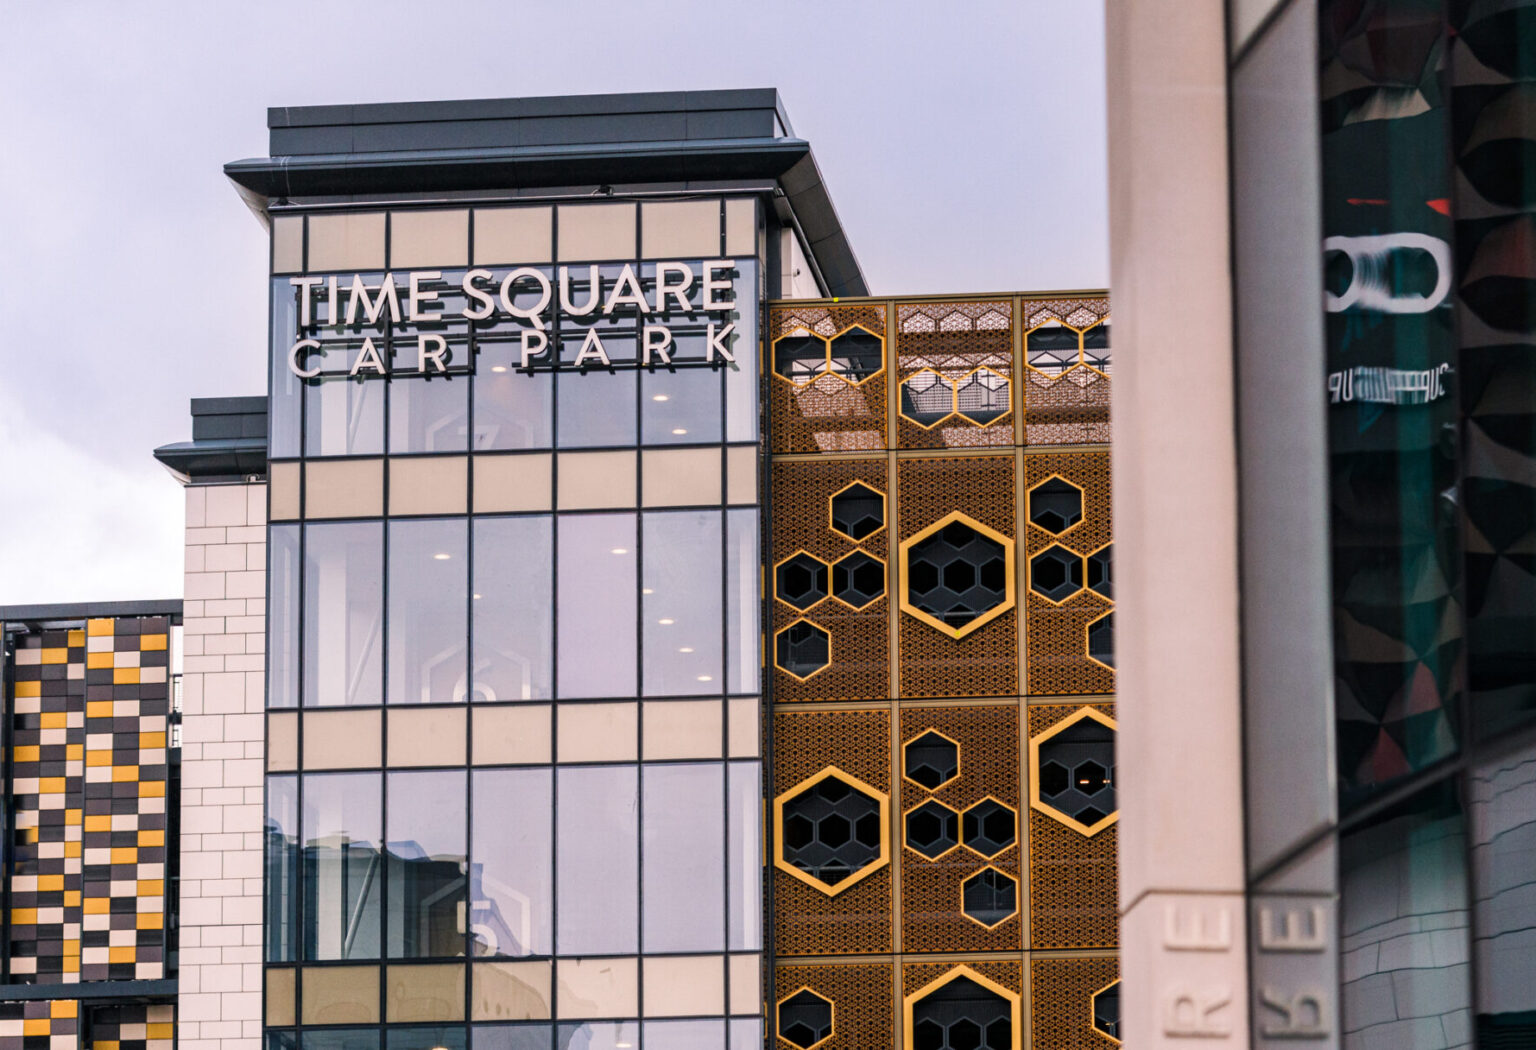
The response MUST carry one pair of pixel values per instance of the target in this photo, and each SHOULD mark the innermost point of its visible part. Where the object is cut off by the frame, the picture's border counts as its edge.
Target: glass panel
(598, 1036)
(741, 387)
(511, 873)
(746, 1033)
(596, 860)
(431, 1037)
(684, 858)
(512, 409)
(1403, 926)
(283, 616)
(284, 413)
(341, 1039)
(513, 608)
(343, 416)
(685, 1035)
(428, 414)
(596, 407)
(282, 860)
(428, 628)
(597, 605)
(743, 663)
(343, 613)
(342, 881)
(511, 1037)
(1502, 815)
(682, 603)
(427, 864)
(744, 905)
(680, 406)
(277, 1040)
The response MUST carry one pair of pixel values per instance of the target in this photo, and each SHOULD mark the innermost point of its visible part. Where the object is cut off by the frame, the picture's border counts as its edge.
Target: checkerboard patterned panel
(135, 1027)
(40, 1024)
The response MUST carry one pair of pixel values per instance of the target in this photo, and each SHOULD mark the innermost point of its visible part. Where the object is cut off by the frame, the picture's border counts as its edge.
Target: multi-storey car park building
(616, 629)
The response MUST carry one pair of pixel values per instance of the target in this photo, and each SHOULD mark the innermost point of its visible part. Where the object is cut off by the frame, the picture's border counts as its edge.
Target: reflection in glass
(596, 407)
(598, 1036)
(743, 662)
(682, 603)
(511, 872)
(428, 565)
(680, 406)
(343, 416)
(685, 1035)
(283, 616)
(513, 410)
(741, 391)
(744, 862)
(428, 414)
(277, 1039)
(513, 608)
(1502, 816)
(684, 887)
(597, 605)
(746, 1033)
(342, 881)
(427, 864)
(282, 863)
(285, 400)
(1403, 925)
(343, 614)
(510, 1037)
(425, 1037)
(595, 860)
(340, 1039)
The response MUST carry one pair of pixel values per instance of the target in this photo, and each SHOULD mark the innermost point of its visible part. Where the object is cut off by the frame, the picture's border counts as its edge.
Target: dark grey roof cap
(229, 441)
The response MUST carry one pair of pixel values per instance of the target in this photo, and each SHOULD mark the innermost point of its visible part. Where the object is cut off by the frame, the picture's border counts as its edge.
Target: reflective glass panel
(511, 1036)
(598, 1036)
(283, 616)
(596, 407)
(685, 1035)
(513, 608)
(428, 630)
(428, 414)
(741, 387)
(282, 864)
(286, 398)
(746, 1033)
(511, 872)
(340, 1039)
(684, 856)
(681, 603)
(343, 416)
(426, 1037)
(744, 860)
(513, 409)
(427, 864)
(742, 633)
(1501, 809)
(343, 614)
(596, 860)
(342, 831)
(596, 636)
(680, 406)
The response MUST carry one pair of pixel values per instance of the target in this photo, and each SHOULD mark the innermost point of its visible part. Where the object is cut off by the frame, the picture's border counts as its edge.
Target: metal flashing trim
(85, 611)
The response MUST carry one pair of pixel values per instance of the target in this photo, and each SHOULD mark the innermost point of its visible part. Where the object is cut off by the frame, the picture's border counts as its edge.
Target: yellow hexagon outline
(954, 399)
(1024, 342)
(1092, 999)
(787, 626)
(919, 805)
(1056, 476)
(910, 1001)
(856, 784)
(831, 1031)
(885, 510)
(959, 758)
(1017, 830)
(1108, 612)
(1082, 349)
(1009, 595)
(1029, 572)
(826, 358)
(983, 368)
(1086, 587)
(873, 375)
(1035, 802)
(791, 605)
(1016, 894)
(873, 557)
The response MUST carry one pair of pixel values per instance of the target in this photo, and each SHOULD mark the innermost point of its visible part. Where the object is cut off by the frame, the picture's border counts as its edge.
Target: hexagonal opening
(1056, 574)
(927, 398)
(1076, 771)
(801, 581)
(1100, 572)
(1054, 778)
(962, 1015)
(989, 896)
(802, 649)
(1052, 348)
(931, 760)
(1056, 505)
(858, 579)
(805, 1019)
(844, 831)
(1106, 1011)
(957, 574)
(983, 396)
(857, 354)
(988, 827)
(931, 829)
(1096, 347)
(800, 358)
(858, 511)
(1090, 778)
(1101, 639)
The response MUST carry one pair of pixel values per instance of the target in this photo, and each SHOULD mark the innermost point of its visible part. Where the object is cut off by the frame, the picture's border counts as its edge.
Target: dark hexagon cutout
(932, 829)
(957, 574)
(858, 579)
(931, 760)
(801, 581)
(805, 1019)
(1076, 772)
(857, 354)
(927, 398)
(802, 649)
(1056, 505)
(983, 396)
(831, 831)
(801, 359)
(1106, 1011)
(989, 827)
(1101, 566)
(989, 897)
(858, 511)
(1056, 574)
(1101, 639)
(962, 1015)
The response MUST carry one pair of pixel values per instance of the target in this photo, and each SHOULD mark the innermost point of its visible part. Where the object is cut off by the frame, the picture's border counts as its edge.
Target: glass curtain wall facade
(513, 790)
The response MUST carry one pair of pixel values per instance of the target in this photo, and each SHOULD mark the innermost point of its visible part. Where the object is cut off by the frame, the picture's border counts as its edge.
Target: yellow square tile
(54, 719)
(150, 887)
(98, 758)
(27, 754)
(23, 916)
(26, 689)
(50, 883)
(125, 676)
(125, 774)
(72, 849)
(98, 822)
(150, 643)
(97, 628)
(154, 837)
(151, 789)
(96, 661)
(76, 639)
(74, 752)
(56, 656)
(97, 906)
(148, 740)
(63, 1008)
(35, 1026)
(123, 953)
(163, 1030)
(149, 920)
(72, 897)
(125, 855)
(51, 785)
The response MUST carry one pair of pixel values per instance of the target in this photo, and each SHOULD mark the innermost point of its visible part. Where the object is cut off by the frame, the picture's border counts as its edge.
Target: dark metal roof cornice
(221, 459)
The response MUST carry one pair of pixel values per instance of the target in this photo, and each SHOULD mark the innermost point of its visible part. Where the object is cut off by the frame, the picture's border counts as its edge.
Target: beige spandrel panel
(350, 241)
(511, 991)
(740, 227)
(680, 229)
(596, 480)
(288, 244)
(590, 989)
(433, 735)
(344, 488)
(284, 489)
(679, 477)
(596, 232)
(597, 732)
(428, 485)
(514, 735)
(684, 985)
(514, 236)
(339, 995)
(424, 993)
(430, 238)
(342, 739)
(511, 483)
(679, 729)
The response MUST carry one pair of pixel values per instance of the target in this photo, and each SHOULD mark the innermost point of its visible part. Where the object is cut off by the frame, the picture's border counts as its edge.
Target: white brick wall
(224, 641)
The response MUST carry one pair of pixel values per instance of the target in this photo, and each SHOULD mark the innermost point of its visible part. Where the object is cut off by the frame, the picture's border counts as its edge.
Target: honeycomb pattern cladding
(1061, 1002)
(1009, 975)
(860, 641)
(953, 340)
(807, 921)
(1056, 636)
(984, 662)
(1070, 406)
(90, 710)
(827, 414)
(1072, 878)
(988, 739)
(864, 1009)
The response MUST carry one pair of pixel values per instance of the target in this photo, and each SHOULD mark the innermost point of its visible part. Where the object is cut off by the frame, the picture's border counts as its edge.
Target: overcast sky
(963, 144)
